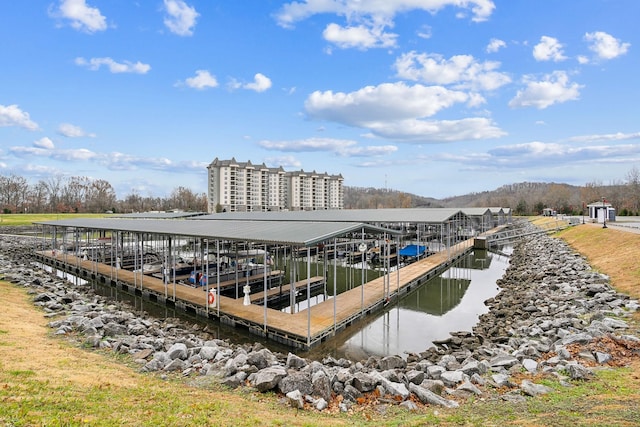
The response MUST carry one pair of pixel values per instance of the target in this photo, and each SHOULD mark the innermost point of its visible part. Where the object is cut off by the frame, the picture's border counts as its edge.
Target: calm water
(450, 302)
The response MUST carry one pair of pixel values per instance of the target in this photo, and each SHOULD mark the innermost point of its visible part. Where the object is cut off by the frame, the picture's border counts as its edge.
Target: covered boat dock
(94, 248)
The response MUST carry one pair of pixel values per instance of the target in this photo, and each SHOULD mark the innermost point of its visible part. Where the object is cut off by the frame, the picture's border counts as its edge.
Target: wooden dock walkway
(286, 289)
(302, 329)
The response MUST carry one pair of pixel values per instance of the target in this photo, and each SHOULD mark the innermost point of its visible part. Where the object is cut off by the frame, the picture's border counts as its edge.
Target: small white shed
(598, 211)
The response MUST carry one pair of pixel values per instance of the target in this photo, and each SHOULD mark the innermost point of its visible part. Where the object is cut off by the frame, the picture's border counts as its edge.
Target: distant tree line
(76, 194)
(375, 198)
(525, 198)
(530, 198)
(60, 194)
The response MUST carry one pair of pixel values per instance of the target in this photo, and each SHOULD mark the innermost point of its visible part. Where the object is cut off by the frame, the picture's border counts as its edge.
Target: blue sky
(433, 97)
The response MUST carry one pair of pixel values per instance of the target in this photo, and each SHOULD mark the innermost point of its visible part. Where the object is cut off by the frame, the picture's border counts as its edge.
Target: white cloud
(181, 18)
(605, 45)
(72, 131)
(425, 32)
(12, 115)
(45, 143)
(618, 136)
(495, 45)
(341, 147)
(538, 154)
(306, 145)
(284, 161)
(83, 17)
(112, 161)
(56, 154)
(582, 59)
(397, 111)
(387, 102)
(418, 131)
(464, 71)
(543, 154)
(259, 84)
(554, 88)
(94, 64)
(360, 37)
(549, 49)
(376, 10)
(366, 20)
(233, 84)
(202, 80)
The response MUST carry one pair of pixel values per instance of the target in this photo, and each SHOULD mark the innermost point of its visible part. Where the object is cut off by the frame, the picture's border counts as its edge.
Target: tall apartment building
(240, 187)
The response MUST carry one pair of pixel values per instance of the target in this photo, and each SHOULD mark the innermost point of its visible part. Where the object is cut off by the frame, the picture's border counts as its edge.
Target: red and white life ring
(212, 297)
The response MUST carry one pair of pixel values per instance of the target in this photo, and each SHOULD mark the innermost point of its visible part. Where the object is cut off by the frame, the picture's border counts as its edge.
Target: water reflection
(451, 302)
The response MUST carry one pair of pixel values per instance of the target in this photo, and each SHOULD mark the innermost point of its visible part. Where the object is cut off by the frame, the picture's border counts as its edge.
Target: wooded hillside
(525, 198)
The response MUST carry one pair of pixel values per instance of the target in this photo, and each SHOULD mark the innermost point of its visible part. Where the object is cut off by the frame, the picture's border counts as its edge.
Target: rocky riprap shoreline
(554, 316)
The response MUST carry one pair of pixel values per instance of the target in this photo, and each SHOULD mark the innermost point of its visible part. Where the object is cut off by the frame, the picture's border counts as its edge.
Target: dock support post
(308, 296)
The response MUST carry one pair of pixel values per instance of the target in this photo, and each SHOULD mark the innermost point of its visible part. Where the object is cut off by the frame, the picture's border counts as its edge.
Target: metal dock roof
(401, 215)
(295, 233)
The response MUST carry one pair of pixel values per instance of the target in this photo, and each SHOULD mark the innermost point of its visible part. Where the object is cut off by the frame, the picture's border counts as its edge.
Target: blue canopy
(412, 250)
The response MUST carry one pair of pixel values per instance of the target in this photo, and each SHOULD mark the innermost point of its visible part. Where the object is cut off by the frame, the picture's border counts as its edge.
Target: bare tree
(13, 193)
(132, 203)
(101, 196)
(38, 197)
(633, 195)
(74, 193)
(185, 199)
(54, 185)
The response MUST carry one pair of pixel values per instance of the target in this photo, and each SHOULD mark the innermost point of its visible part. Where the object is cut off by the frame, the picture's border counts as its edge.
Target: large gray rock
(435, 386)
(392, 362)
(615, 323)
(502, 380)
(415, 376)
(530, 365)
(321, 404)
(503, 361)
(175, 365)
(177, 351)
(393, 388)
(468, 387)
(578, 372)
(581, 338)
(427, 396)
(208, 352)
(295, 362)
(296, 381)
(235, 380)
(452, 378)
(321, 385)
(268, 378)
(351, 393)
(435, 371)
(113, 329)
(531, 389)
(295, 399)
(364, 382)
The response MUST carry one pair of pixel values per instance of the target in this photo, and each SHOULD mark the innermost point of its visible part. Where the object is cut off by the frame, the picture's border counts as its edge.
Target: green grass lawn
(15, 220)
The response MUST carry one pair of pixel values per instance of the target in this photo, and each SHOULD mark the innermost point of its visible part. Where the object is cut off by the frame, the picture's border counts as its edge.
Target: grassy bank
(47, 380)
(18, 220)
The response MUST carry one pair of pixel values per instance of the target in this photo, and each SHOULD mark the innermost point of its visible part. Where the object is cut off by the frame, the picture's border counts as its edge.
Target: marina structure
(273, 275)
(246, 187)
